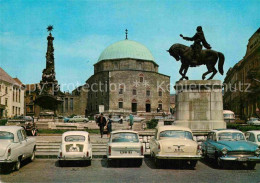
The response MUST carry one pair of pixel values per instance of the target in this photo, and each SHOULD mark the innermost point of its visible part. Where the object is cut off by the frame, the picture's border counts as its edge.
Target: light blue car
(228, 145)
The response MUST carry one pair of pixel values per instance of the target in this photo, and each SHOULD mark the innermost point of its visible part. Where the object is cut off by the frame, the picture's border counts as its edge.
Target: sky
(83, 29)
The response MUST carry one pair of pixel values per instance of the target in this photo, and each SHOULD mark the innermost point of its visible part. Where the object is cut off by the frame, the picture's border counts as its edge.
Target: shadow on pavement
(119, 163)
(9, 168)
(168, 164)
(227, 166)
(72, 163)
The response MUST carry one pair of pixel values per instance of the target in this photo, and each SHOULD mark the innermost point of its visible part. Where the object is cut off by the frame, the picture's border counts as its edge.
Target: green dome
(126, 49)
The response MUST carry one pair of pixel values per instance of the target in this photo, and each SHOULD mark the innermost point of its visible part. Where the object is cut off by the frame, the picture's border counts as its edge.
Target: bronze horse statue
(207, 57)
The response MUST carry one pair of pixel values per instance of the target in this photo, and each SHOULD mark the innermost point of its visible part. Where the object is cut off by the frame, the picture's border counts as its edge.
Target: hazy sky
(83, 29)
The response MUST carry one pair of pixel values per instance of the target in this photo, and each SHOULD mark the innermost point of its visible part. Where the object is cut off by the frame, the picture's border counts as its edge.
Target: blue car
(228, 145)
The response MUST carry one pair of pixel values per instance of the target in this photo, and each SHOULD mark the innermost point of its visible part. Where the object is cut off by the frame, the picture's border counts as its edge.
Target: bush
(152, 123)
(243, 128)
(3, 122)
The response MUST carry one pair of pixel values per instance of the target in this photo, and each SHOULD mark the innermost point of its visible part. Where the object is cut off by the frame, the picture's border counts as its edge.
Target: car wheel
(139, 162)
(62, 163)
(33, 156)
(17, 164)
(157, 162)
(219, 162)
(193, 163)
(251, 165)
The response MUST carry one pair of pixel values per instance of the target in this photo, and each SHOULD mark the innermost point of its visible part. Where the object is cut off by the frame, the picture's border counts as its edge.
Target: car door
(21, 147)
(210, 145)
(252, 138)
(27, 144)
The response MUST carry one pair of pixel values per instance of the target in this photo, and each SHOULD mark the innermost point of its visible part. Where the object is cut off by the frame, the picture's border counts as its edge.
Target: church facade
(126, 80)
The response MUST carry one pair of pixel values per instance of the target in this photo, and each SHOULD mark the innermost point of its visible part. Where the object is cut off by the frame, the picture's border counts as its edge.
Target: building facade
(242, 82)
(11, 96)
(126, 80)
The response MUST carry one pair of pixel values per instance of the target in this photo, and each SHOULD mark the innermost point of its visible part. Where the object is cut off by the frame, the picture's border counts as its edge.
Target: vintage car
(78, 119)
(75, 146)
(174, 143)
(15, 146)
(253, 136)
(125, 144)
(228, 145)
(253, 121)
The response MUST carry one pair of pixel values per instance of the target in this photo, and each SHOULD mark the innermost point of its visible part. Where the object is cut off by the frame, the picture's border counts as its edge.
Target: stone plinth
(199, 105)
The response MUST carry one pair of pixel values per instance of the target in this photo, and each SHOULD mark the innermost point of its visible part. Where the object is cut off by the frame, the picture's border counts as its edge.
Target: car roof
(254, 131)
(173, 127)
(124, 131)
(75, 133)
(12, 129)
(225, 130)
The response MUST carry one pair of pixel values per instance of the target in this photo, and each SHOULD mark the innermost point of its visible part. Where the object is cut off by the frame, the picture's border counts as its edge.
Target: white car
(15, 146)
(253, 136)
(125, 144)
(75, 146)
(174, 143)
(78, 119)
(253, 121)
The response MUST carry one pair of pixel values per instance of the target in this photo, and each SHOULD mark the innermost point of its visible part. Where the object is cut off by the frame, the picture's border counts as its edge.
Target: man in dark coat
(198, 38)
(101, 121)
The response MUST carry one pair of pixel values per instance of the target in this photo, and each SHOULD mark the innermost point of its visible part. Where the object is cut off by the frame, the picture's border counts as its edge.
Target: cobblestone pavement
(48, 170)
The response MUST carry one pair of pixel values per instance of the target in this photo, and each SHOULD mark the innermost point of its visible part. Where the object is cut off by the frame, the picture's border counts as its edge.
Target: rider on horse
(198, 38)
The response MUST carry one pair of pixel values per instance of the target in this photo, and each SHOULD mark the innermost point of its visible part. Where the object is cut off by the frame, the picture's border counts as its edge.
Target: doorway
(134, 107)
(148, 107)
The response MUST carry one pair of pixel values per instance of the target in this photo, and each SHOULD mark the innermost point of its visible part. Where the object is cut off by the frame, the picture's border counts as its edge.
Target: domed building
(126, 80)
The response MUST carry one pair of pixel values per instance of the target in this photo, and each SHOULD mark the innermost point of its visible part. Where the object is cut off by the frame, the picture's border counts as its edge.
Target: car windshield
(176, 134)
(254, 119)
(258, 138)
(75, 138)
(228, 115)
(125, 137)
(231, 136)
(6, 136)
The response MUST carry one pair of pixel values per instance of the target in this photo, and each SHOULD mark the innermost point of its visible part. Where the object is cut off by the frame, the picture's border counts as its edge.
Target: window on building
(120, 105)
(160, 93)
(141, 79)
(134, 91)
(6, 90)
(19, 96)
(31, 99)
(19, 112)
(121, 90)
(13, 94)
(0, 88)
(71, 104)
(148, 93)
(6, 102)
(13, 110)
(66, 104)
(160, 106)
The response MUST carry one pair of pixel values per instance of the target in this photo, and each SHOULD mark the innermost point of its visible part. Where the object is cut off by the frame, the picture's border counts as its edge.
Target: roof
(225, 130)
(18, 81)
(173, 127)
(255, 131)
(6, 77)
(126, 49)
(12, 129)
(124, 131)
(74, 133)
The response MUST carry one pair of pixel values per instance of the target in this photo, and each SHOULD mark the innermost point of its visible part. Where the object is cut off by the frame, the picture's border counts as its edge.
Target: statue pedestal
(199, 105)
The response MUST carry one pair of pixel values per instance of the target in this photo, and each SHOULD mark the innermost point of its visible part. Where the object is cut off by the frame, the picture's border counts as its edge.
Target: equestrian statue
(194, 56)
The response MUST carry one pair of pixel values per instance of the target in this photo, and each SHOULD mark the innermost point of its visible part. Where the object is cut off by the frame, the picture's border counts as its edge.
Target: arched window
(160, 92)
(141, 77)
(121, 89)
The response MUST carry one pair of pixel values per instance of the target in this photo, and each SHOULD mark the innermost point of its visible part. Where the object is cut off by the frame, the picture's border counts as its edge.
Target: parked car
(228, 145)
(125, 144)
(75, 146)
(229, 116)
(15, 146)
(136, 118)
(78, 119)
(19, 120)
(174, 143)
(253, 121)
(253, 136)
(66, 119)
(116, 119)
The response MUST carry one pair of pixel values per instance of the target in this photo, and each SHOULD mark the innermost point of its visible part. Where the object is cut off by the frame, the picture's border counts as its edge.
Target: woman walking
(109, 125)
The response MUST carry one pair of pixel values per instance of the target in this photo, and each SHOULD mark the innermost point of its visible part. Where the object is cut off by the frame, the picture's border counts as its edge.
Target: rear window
(176, 134)
(6, 135)
(125, 137)
(75, 138)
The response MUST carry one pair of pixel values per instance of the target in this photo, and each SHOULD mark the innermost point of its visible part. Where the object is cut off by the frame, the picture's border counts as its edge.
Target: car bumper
(125, 157)
(241, 159)
(6, 161)
(74, 158)
(180, 157)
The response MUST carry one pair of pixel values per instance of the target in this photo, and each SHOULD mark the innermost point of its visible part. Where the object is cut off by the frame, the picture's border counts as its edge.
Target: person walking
(101, 121)
(131, 119)
(109, 125)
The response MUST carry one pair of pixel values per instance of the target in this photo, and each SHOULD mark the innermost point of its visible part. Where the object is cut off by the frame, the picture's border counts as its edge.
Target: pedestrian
(121, 120)
(101, 121)
(131, 119)
(109, 125)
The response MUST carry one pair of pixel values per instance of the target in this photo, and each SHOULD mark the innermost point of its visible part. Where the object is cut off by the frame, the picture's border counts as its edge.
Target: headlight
(257, 151)
(224, 151)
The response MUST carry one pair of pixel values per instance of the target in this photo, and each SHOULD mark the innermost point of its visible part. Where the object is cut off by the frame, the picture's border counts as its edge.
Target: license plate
(125, 152)
(242, 159)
